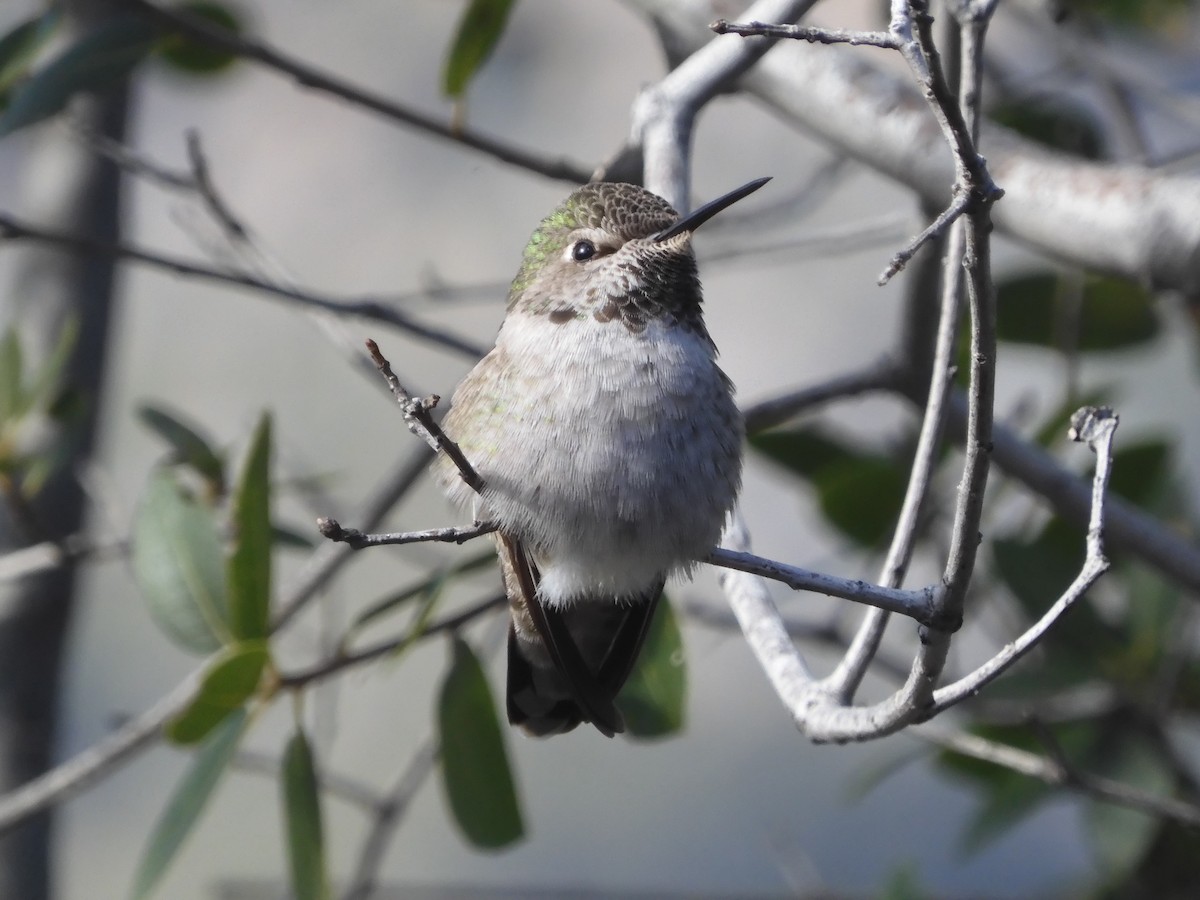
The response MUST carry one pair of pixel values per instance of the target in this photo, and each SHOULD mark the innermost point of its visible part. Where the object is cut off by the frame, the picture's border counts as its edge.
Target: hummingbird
(608, 442)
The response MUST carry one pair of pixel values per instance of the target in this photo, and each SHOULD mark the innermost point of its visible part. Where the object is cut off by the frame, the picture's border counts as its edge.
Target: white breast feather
(615, 456)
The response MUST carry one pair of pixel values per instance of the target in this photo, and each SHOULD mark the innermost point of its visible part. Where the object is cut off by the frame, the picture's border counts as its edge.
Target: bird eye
(583, 250)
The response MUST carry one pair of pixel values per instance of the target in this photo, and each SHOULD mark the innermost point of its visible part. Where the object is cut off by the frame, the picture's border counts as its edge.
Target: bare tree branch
(1096, 427)
(15, 230)
(1123, 219)
(665, 113)
(1056, 773)
(210, 35)
(921, 605)
(332, 529)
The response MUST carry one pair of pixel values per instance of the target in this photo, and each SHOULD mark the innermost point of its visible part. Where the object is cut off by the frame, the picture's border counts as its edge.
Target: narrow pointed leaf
(250, 564)
(196, 58)
(1064, 125)
(475, 770)
(20, 45)
(653, 700)
(11, 366)
(186, 804)
(46, 391)
(179, 566)
(95, 61)
(1123, 836)
(479, 30)
(189, 445)
(229, 683)
(302, 821)
(1114, 314)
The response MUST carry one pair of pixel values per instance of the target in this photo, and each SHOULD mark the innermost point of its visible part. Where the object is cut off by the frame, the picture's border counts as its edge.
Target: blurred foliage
(203, 551)
(1122, 640)
(186, 804)
(303, 822)
(479, 30)
(859, 492)
(193, 58)
(654, 698)
(1054, 122)
(476, 774)
(35, 408)
(33, 88)
(1156, 14)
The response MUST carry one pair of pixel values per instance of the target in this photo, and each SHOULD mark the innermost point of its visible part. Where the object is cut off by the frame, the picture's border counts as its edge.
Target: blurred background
(349, 205)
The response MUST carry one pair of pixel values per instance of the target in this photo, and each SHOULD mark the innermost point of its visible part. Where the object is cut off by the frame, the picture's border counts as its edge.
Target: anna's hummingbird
(608, 442)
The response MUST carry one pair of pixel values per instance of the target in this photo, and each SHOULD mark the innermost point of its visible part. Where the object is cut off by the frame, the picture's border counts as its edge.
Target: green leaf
(47, 391)
(1008, 797)
(11, 375)
(859, 493)
(189, 446)
(229, 683)
(475, 772)
(804, 451)
(19, 47)
(1113, 314)
(653, 699)
(1121, 836)
(1037, 572)
(1058, 123)
(186, 804)
(98, 59)
(1141, 471)
(179, 566)
(194, 57)
(904, 883)
(250, 564)
(863, 498)
(1148, 13)
(302, 820)
(479, 31)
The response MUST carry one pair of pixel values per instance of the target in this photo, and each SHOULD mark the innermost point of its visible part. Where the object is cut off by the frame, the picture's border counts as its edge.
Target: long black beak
(698, 217)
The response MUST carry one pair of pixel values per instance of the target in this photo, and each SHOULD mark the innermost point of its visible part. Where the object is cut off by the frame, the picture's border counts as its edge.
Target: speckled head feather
(631, 279)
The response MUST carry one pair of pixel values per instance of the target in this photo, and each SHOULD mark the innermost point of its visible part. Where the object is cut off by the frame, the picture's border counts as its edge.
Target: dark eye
(583, 250)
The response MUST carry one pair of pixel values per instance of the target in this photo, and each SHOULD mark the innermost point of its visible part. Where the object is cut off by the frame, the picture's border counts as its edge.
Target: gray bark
(35, 613)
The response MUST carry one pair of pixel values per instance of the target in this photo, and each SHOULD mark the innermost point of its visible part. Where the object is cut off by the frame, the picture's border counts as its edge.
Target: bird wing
(592, 692)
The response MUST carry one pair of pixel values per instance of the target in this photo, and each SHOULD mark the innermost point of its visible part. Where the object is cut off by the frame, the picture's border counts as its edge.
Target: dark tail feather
(566, 665)
(590, 649)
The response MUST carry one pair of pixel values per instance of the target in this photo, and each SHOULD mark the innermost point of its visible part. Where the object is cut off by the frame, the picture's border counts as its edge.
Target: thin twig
(776, 410)
(848, 675)
(332, 529)
(1059, 773)
(388, 815)
(961, 202)
(420, 422)
(813, 35)
(87, 766)
(53, 554)
(921, 605)
(664, 114)
(329, 558)
(13, 229)
(208, 34)
(207, 190)
(1097, 427)
(349, 659)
